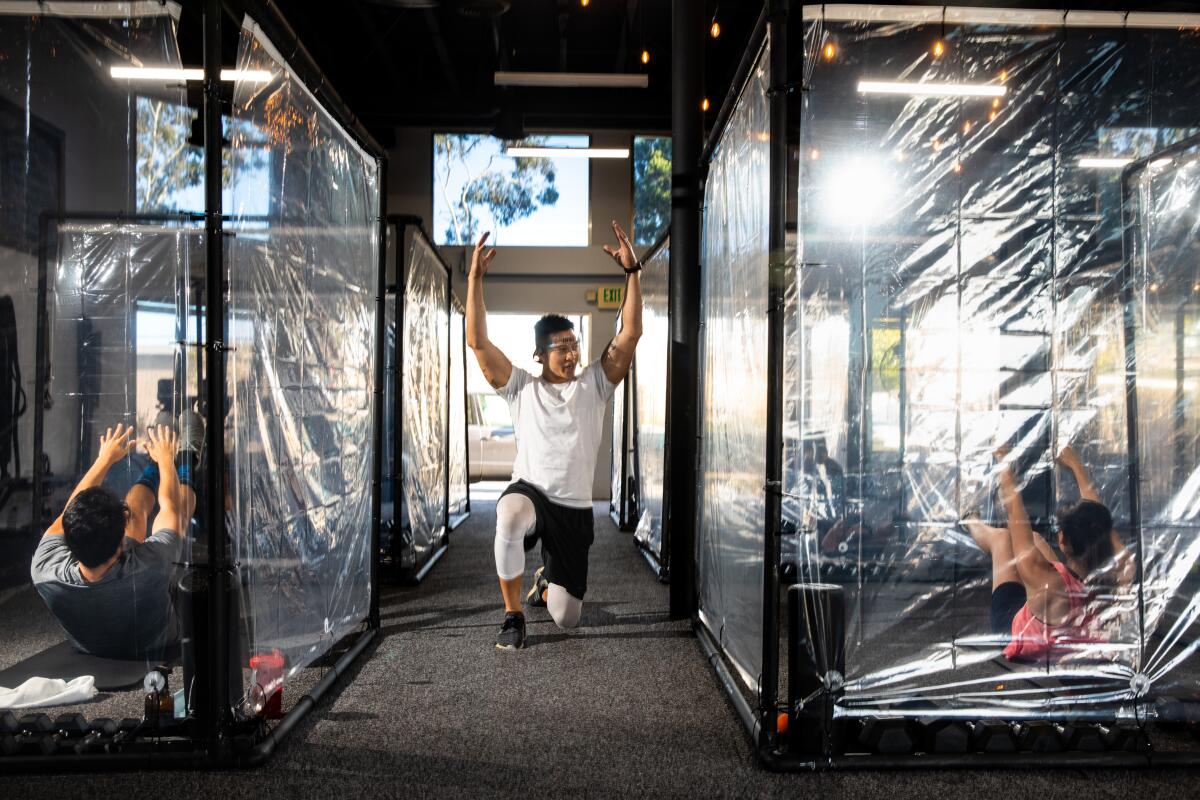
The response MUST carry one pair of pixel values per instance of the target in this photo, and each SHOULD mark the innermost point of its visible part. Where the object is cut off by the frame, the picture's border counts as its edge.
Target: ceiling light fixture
(931, 89)
(187, 74)
(829, 51)
(588, 80)
(518, 151)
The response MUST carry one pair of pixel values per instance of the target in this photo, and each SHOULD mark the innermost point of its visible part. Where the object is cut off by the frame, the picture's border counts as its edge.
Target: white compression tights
(515, 517)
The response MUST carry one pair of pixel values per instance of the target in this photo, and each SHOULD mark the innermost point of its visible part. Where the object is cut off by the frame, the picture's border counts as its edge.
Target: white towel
(37, 692)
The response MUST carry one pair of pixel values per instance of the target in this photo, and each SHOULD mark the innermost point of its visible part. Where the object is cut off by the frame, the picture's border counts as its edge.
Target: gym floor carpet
(624, 706)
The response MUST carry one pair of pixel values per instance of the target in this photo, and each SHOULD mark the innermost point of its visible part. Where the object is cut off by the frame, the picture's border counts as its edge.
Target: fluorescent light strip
(1101, 162)
(590, 80)
(567, 152)
(188, 74)
(997, 16)
(138, 8)
(931, 89)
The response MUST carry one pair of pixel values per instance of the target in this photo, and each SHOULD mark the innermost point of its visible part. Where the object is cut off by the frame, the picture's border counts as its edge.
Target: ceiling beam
(439, 47)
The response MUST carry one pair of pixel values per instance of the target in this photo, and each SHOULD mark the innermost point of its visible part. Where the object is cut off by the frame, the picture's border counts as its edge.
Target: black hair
(1086, 528)
(549, 325)
(94, 525)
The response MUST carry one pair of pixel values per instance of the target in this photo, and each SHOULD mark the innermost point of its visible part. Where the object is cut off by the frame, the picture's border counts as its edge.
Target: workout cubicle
(622, 466)
(427, 360)
(994, 246)
(649, 400)
(639, 419)
(263, 352)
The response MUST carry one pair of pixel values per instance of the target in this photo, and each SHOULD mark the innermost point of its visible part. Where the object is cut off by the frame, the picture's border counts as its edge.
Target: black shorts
(1007, 600)
(566, 535)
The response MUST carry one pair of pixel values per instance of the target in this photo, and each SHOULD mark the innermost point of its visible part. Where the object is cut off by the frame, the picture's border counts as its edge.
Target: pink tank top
(1034, 640)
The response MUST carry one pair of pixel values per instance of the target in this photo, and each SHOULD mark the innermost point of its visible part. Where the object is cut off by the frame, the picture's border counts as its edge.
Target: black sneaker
(512, 632)
(533, 598)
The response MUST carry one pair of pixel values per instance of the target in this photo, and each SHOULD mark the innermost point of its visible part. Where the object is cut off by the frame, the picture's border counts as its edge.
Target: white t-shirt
(558, 428)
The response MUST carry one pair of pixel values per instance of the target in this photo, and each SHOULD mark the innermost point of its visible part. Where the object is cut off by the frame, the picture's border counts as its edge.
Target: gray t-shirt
(128, 613)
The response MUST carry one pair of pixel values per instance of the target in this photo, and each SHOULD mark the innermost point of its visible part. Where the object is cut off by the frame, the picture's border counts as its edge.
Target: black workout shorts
(566, 535)
(1007, 600)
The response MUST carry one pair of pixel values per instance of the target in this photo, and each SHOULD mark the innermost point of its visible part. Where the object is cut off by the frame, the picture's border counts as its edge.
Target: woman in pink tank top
(1046, 605)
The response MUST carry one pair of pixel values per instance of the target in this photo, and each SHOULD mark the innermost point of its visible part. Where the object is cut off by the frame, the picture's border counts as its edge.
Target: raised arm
(1070, 459)
(618, 356)
(162, 444)
(1126, 567)
(495, 365)
(115, 444)
(1036, 571)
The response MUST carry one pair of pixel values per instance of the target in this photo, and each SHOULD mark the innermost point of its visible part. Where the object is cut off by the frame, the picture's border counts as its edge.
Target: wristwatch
(637, 267)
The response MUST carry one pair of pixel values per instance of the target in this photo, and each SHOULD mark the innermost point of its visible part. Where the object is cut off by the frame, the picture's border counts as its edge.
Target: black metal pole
(623, 500)
(466, 419)
(1129, 295)
(217, 712)
(679, 490)
(377, 417)
(40, 372)
(776, 295)
(399, 500)
(446, 439)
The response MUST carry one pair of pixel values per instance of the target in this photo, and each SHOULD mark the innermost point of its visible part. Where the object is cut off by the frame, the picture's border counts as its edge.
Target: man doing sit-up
(559, 422)
(106, 582)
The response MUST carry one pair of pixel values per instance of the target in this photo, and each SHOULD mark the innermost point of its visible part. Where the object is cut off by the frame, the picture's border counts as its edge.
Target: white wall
(533, 279)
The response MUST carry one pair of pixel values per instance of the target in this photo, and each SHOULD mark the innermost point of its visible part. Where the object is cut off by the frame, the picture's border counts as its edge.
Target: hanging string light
(939, 45)
(645, 56)
(714, 30)
(704, 104)
(829, 51)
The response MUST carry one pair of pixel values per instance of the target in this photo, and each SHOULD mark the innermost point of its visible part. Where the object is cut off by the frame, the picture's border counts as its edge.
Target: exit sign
(610, 296)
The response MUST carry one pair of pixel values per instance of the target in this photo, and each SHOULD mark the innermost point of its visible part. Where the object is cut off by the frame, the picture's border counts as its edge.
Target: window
(651, 188)
(534, 202)
(170, 162)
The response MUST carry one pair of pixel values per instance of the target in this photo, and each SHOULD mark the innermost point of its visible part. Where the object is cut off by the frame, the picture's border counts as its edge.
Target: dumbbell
(992, 736)
(65, 726)
(891, 735)
(97, 730)
(33, 728)
(946, 736)
(126, 729)
(1088, 738)
(1039, 736)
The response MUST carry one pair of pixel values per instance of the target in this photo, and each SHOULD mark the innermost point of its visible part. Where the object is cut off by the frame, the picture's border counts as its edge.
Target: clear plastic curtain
(302, 266)
(112, 289)
(426, 360)
(651, 397)
(458, 412)
(617, 483)
(1162, 201)
(960, 286)
(734, 257)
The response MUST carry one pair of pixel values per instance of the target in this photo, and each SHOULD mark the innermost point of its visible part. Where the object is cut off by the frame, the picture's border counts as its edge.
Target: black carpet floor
(624, 706)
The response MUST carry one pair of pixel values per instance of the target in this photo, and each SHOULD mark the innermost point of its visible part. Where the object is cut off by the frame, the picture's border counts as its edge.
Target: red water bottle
(268, 676)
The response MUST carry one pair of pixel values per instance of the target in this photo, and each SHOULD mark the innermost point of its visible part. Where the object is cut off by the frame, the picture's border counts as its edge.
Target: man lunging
(559, 423)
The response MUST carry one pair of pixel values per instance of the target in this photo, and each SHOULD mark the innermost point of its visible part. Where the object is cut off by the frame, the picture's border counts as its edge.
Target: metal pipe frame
(658, 561)
(760, 723)
(214, 744)
(402, 221)
(683, 353)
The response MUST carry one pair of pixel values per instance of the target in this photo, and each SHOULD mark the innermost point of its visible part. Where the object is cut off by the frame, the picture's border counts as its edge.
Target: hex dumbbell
(891, 735)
